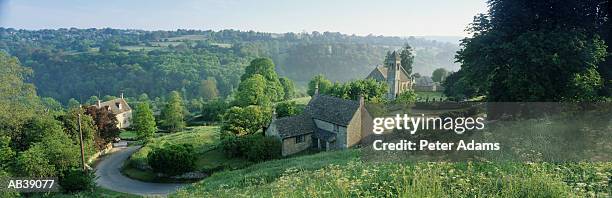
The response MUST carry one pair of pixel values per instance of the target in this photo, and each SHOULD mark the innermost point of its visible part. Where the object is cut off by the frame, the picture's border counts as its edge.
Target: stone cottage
(327, 123)
(120, 108)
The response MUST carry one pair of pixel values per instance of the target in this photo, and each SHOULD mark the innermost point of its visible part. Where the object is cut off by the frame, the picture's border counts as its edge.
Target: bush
(75, 179)
(173, 159)
(254, 148)
(263, 148)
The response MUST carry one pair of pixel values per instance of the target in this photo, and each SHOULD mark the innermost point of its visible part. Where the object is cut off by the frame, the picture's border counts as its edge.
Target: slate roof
(294, 125)
(331, 109)
(324, 135)
(380, 73)
(113, 105)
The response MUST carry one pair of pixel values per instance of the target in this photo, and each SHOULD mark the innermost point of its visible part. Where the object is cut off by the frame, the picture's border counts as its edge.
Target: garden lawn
(204, 139)
(128, 135)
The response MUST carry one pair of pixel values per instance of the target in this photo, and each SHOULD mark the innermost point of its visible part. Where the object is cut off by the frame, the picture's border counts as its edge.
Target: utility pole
(81, 141)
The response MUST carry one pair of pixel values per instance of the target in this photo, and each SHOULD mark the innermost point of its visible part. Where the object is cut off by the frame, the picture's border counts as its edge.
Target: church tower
(393, 75)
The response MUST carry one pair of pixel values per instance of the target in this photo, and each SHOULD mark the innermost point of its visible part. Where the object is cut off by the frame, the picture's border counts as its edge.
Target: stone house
(426, 84)
(327, 123)
(120, 108)
(394, 75)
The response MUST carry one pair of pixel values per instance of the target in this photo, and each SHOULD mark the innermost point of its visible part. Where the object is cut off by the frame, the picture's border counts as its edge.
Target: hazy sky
(362, 17)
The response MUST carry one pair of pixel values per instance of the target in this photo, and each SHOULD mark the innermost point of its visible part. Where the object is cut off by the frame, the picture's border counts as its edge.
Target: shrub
(75, 179)
(172, 159)
(254, 148)
(263, 148)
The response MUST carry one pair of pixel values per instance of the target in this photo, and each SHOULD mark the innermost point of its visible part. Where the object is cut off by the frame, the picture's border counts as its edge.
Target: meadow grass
(345, 174)
(341, 174)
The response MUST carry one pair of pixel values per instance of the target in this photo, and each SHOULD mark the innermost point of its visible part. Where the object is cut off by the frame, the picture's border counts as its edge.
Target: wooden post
(81, 142)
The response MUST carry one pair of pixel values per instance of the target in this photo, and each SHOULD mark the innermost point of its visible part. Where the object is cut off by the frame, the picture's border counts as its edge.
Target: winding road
(108, 173)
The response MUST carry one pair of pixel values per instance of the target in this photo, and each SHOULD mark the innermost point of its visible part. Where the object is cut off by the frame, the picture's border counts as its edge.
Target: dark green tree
(144, 122)
(173, 118)
(288, 87)
(535, 51)
(407, 58)
(439, 75)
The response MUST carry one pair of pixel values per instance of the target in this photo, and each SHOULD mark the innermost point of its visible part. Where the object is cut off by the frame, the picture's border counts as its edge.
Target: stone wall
(290, 147)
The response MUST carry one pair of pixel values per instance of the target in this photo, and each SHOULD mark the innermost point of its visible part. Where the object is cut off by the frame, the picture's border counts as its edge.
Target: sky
(361, 17)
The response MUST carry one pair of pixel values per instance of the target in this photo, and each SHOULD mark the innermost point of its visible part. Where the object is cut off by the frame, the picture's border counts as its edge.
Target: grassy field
(302, 100)
(205, 140)
(341, 174)
(128, 135)
(345, 174)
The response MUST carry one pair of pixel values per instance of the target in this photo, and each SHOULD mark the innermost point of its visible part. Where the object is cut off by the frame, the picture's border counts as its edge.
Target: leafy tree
(243, 121)
(61, 152)
(208, 89)
(70, 123)
(7, 155)
(143, 98)
(322, 82)
(406, 97)
(265, 68)
(93, 100)
(144, 122)
(173, 118)
(106, 123)
(33, 163)
(439, 75)
(285, 109)
(370, 89)
(535, 51)
(407, 58)
(252, 91)
(35, 130)
(51, 104)
(212, 111)
(288, 87)
(73, 103)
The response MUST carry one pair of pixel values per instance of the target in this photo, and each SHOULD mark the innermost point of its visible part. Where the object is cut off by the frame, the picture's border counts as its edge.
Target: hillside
(342, 174)
(76, 63)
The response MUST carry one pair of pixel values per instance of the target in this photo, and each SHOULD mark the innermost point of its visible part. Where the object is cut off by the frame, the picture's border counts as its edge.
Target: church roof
(380, 73)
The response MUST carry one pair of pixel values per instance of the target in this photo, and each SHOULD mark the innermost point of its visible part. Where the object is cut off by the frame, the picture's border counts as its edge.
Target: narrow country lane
(109, 176)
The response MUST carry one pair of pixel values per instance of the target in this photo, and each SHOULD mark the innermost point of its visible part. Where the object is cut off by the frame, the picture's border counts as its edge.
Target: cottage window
(336, 128)
(299, 139)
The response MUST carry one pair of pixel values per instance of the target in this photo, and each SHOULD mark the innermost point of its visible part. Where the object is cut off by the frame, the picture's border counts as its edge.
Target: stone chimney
(316, 92)
(121, 95)
(99, 104)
